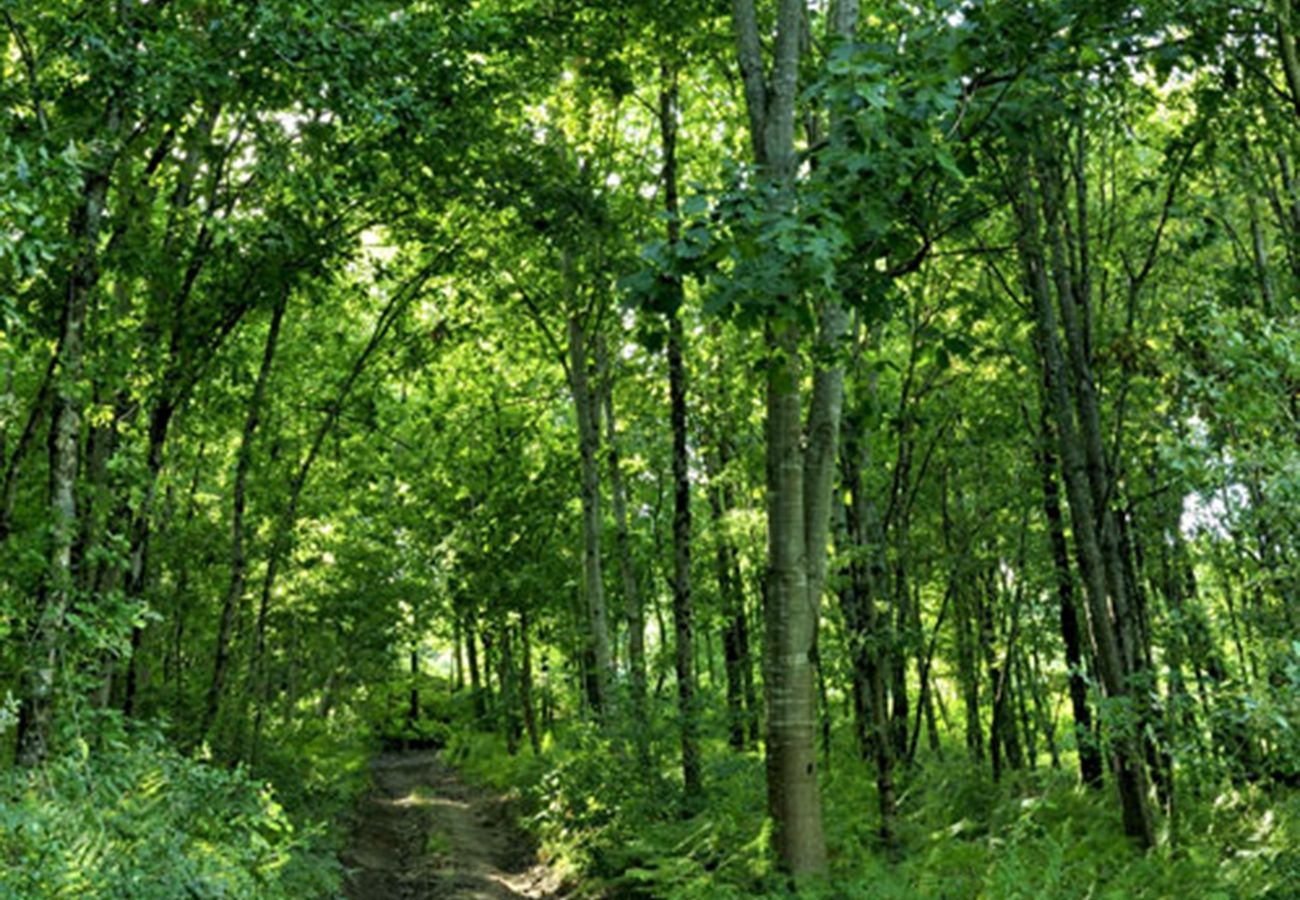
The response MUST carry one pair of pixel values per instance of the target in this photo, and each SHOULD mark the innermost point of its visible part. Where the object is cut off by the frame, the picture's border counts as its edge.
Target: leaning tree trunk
(282, 537)
(238, 556)
(1131, 774)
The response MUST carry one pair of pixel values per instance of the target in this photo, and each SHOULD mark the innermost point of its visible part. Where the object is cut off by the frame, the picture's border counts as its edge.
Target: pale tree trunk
(632, 610)
(46, 634)
(588, 416)
(793, 799)
(798, 480)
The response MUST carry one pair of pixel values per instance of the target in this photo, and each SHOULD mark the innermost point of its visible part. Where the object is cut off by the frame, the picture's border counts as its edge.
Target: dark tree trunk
(1080, 474)
(1090, 767)
(238, 556)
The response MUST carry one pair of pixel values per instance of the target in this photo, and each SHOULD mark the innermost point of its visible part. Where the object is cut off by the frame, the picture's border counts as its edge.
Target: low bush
(137, 819)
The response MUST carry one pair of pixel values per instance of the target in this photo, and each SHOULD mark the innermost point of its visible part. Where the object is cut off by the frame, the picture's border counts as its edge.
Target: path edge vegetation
(796, 446)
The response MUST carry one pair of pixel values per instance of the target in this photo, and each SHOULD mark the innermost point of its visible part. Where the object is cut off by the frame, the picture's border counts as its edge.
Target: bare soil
(422, 832)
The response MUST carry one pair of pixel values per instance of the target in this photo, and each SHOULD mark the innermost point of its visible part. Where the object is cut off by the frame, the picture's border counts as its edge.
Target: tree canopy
(812, 447)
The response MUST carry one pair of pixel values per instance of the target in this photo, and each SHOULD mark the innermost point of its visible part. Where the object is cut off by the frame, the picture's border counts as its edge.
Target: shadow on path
(421, 832)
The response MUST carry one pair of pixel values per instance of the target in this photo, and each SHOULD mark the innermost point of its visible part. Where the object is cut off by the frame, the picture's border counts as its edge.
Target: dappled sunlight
(778, 449)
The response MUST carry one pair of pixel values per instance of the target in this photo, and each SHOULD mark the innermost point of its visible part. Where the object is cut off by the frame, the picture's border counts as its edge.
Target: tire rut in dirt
(423, 833)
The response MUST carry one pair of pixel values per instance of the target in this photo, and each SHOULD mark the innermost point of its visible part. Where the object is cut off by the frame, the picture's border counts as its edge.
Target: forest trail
(422, 832)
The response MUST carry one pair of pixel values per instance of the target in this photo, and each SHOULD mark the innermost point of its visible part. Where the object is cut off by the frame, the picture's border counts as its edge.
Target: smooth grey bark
(799, 478)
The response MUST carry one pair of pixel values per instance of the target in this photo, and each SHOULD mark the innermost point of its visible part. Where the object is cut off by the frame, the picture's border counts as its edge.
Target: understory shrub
(620, 831)
(137, 819)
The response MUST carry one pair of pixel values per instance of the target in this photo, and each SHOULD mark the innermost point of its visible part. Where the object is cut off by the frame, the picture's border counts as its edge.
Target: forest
(552, 448)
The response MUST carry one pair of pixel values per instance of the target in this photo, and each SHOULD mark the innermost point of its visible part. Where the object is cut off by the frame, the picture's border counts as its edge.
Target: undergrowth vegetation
(1039, 834)
(125, 814)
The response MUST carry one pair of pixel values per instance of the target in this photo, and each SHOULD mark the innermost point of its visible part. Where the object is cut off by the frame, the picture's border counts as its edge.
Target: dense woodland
(790, 446)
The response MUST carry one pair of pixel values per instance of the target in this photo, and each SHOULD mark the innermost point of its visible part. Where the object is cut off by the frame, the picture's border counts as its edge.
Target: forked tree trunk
(799, 479)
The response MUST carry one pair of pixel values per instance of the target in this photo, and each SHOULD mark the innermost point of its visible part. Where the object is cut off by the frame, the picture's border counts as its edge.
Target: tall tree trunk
(632, 610)
(46, 633)
(1090, 768)
(683, 614)
(793, 797)
(799, 480)
(1131, 774)
(588, 416)
(238, 558)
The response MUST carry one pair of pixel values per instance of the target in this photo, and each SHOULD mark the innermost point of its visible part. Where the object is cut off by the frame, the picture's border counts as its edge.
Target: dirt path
(423, 833)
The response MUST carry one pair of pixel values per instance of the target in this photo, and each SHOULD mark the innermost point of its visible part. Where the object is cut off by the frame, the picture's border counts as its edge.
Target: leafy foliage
(135, 818)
